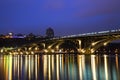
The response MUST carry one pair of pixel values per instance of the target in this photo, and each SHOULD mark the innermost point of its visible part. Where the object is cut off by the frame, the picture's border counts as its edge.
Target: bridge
(86, 43)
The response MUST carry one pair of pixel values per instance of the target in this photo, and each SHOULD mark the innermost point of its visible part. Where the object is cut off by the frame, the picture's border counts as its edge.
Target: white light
(10, 34)
(103, 32)
(60, 50)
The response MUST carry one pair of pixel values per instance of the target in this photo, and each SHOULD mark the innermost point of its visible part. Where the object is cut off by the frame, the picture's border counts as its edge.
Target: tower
(49, 33)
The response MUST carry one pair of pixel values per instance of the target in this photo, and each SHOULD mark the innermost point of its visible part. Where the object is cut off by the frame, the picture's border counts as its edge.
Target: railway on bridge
(86, 43)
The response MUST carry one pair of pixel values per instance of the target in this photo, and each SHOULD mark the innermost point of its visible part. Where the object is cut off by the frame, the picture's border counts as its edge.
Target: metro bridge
(83, 43)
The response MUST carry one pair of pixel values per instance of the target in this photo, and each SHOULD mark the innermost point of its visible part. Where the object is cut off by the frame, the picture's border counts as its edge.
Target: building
(9, 35)
(49, 33)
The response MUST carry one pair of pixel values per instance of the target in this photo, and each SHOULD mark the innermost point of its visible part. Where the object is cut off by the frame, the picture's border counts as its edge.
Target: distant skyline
(66, 17)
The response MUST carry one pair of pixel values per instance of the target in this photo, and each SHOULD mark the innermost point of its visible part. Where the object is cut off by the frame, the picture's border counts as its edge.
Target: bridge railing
(93, 33)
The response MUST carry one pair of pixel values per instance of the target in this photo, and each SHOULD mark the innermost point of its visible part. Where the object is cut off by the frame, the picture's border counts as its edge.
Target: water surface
(59, 67)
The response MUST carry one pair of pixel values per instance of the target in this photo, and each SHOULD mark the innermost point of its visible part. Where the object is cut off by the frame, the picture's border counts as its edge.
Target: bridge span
(83, 43)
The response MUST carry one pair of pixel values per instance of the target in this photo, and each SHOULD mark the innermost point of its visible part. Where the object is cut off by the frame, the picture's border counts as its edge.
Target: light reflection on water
(59, 67)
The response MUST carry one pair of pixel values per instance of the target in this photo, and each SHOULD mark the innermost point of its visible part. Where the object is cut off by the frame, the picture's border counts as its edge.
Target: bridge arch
(97, 44)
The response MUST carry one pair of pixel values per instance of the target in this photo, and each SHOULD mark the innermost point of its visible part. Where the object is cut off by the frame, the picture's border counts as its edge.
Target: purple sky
(64, 16)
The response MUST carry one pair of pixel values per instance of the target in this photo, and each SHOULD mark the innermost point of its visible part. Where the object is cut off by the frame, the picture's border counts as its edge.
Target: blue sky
(64, 16)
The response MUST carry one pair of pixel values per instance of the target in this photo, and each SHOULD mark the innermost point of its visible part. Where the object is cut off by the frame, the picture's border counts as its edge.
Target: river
(60, 67)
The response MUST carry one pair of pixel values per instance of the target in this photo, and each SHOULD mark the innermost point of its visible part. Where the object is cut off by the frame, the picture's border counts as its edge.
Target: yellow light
(27, 52)
(82, 50)
(32, 52)
(105, 44)
(93, 66)
(92, 50)
(29, 48)
(49, 47)
(1, 50)
(93, 43)
(52, 51)
(46, 50)
(18, 49)
(106, 67)
(14, 53)
(57, 47)
(10, 53)
(21, 52)
(36, 48)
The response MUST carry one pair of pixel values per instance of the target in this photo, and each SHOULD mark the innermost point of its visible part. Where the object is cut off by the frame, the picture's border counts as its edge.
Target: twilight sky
(64, 16)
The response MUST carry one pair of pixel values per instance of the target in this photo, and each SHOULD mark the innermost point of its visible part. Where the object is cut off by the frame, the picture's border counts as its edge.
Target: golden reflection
(45, 66)
(18, 61)
(93, 66)
(57, 66)
(53, 67)
(38, 62)
(61, 63)
(83, 65)
(53, 63)
(49, 67)
(32, 64)
(21, 62)
(5, 67)
(106, 67)
(15, 64)
(10, 67)
(80, 67)
(26, 63)
(29, 67)
(36, 67)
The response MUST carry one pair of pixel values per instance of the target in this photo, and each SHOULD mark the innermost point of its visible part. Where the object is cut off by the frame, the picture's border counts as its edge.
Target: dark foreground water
(59, 67)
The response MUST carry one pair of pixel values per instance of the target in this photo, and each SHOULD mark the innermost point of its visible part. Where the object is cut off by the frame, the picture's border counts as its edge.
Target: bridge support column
(79, 49)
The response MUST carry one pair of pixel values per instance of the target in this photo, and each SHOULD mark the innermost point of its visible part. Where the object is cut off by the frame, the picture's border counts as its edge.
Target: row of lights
(93, 33)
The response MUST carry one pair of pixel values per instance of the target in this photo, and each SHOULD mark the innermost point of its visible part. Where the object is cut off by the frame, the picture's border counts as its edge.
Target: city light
(82, 50)
(45, 50)
(105, 43)
(92, 50)
(49, 47)
(93, 43)
(52, 51)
